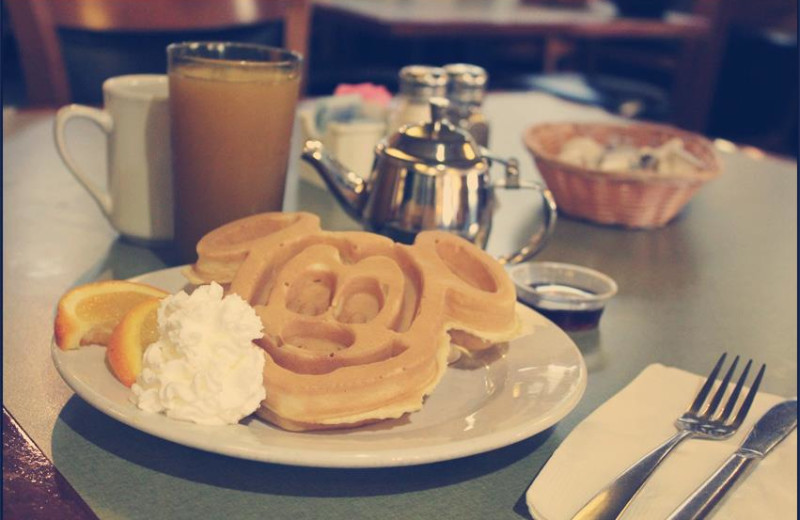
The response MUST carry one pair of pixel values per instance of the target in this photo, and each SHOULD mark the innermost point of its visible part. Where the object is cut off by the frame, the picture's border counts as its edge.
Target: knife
(771, 429)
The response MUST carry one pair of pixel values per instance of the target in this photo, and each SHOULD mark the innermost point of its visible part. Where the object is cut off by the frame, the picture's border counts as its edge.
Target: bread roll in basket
(632, 199)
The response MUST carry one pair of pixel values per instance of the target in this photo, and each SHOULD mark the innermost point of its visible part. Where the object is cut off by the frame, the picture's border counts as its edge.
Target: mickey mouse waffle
(357, 328)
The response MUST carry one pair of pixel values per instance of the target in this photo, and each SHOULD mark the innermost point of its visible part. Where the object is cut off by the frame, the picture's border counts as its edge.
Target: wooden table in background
(506, 18)
(559, 27)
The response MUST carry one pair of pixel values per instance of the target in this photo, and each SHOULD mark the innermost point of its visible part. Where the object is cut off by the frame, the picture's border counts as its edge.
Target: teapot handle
(539, 239)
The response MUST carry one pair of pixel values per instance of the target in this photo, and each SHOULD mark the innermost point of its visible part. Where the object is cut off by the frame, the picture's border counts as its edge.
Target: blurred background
(725, 68)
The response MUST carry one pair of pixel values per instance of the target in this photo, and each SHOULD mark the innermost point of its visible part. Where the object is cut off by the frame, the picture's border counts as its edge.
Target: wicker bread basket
(633, 199)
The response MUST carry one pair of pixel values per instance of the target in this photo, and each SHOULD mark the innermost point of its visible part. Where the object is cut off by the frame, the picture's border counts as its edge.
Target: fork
(697, 422)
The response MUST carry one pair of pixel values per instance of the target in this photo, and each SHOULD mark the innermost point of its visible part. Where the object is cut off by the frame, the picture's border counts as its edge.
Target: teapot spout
(348, 187)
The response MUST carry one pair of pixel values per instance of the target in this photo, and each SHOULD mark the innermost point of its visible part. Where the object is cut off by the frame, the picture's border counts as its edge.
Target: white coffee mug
(135, 119)
(352, 143)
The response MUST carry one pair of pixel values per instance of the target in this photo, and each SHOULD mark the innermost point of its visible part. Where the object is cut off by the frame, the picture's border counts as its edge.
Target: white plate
(536, 382)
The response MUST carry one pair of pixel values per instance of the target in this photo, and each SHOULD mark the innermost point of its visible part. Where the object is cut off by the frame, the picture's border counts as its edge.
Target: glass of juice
(232, 107)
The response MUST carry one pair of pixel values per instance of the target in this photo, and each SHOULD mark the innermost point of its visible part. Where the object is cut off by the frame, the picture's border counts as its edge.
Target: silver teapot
(429, 176)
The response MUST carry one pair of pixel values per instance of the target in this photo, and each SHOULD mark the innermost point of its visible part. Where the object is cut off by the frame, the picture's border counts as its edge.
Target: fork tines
(711, 409)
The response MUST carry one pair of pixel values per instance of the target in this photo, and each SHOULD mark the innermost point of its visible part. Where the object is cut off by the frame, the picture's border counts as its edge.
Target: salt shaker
(418, 83)
(466, 88)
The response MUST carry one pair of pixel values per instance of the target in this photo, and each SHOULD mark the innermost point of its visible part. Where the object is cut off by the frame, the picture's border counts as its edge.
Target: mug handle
(103, 120)
(539, 239)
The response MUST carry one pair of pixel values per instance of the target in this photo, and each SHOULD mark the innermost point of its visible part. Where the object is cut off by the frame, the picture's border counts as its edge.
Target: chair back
(67, 48)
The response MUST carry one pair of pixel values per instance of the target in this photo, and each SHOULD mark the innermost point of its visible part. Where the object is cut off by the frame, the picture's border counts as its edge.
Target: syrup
(562, 304)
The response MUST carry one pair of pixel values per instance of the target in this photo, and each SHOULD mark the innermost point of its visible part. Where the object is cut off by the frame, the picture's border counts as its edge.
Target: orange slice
(88, 314)
(130, 338)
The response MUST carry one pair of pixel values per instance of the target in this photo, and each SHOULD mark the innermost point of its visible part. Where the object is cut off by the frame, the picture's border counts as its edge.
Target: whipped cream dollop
(204, 367)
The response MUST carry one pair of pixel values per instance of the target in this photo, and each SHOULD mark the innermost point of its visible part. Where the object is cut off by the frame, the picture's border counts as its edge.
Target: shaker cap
(423, 81)
(437, 142)
(466, 83)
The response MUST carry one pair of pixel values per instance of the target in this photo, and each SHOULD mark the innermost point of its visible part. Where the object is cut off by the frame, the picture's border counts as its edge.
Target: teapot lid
(434, 142)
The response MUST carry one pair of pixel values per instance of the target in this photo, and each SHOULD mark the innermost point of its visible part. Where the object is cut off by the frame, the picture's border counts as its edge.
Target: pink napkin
(369, 92)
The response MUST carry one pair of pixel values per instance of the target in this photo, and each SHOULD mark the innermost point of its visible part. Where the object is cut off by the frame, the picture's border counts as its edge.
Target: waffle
(357, 328)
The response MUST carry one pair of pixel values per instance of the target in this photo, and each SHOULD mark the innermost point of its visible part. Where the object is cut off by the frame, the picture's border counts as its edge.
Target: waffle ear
(480, 298)
(222, 251)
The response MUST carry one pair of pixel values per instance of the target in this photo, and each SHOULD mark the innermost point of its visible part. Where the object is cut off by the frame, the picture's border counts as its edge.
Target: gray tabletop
(721, 277)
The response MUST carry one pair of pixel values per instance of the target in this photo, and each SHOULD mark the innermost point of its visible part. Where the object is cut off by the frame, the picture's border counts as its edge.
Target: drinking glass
(232, 107)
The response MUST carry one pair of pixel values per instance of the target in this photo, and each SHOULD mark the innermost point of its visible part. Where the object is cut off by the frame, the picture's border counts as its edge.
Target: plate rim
(405, 456)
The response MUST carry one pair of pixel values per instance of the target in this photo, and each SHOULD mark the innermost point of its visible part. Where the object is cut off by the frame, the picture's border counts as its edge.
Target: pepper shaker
(466, 88)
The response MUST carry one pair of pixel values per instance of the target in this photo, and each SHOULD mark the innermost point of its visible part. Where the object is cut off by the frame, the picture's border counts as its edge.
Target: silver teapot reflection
(429, 176)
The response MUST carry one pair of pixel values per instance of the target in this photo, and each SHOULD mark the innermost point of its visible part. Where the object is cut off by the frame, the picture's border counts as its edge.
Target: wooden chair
(690, 65)
(693, 65)
(36, 25)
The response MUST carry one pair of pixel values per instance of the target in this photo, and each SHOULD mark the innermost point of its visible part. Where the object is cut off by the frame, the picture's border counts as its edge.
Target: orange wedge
(88, 314)
(130, 338)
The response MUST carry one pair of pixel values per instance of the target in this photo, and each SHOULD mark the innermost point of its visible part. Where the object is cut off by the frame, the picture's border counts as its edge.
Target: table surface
(721, 277)
(508, 18)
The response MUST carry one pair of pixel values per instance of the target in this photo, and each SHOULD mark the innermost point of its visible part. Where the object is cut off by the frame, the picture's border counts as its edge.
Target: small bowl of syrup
(571, 296)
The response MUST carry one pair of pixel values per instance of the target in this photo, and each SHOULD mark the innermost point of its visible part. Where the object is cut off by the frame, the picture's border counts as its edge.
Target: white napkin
(636, 420)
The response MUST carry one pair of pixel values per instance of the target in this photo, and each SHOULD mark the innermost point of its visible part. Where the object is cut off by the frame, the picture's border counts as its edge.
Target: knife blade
(769, 430)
